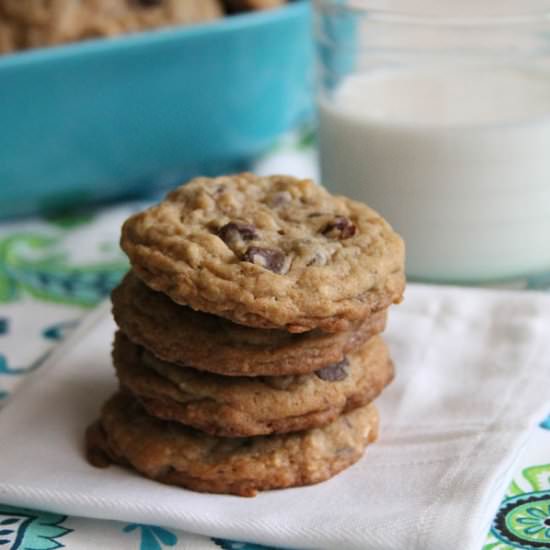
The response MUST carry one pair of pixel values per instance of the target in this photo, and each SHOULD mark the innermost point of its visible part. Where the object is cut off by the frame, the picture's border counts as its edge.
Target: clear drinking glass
(439, 118)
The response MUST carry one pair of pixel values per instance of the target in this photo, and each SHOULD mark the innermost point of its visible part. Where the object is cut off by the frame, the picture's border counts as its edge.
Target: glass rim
(378, 15)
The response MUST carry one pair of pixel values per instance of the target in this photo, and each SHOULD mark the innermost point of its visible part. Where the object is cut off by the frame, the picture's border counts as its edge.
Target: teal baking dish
(103, 119)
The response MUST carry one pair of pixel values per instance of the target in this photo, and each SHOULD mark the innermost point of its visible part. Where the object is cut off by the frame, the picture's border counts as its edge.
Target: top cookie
(268, 252)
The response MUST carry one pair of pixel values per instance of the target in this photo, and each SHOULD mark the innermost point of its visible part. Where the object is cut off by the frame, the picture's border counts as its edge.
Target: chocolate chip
(334, 373)
(233, 231)
(148, 3)
(340, 228)
(270, 258)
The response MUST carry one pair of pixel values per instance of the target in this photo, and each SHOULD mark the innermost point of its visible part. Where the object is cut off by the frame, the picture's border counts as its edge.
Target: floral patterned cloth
(53, 270)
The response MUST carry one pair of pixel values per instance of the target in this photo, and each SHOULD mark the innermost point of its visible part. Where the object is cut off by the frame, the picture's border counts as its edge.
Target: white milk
(457, 160)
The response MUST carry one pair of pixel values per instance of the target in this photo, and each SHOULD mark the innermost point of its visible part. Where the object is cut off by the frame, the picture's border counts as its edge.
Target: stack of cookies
(248, 350)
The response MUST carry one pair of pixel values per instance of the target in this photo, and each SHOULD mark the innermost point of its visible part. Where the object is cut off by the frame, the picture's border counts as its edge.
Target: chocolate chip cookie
(178, 334)
(171, 453)
(268, 252)
(244, 406)
(34, 23)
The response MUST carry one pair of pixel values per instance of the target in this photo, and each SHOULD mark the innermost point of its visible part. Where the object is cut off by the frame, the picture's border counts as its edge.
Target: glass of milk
(437, 114)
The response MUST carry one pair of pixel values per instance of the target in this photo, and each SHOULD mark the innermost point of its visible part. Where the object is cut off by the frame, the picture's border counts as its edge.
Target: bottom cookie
(174, 454)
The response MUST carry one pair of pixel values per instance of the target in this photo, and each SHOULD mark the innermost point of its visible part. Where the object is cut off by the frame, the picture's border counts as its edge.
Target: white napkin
(473, 373)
